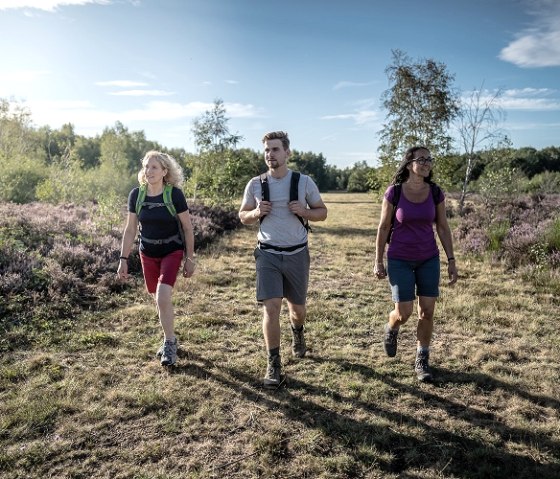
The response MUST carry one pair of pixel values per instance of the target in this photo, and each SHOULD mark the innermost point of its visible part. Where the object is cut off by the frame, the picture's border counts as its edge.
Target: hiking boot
(272, 378)
(298, 343)
(421, 367)
(390, 341)
(169, 353)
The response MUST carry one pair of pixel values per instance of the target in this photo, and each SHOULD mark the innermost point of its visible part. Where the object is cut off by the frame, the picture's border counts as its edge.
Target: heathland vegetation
(81, 395)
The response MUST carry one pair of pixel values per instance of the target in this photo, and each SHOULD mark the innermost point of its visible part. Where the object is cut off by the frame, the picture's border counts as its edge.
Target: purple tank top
(413, 237)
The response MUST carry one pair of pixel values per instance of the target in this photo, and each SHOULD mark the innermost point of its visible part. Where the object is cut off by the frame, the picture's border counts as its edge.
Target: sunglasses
(424, 161)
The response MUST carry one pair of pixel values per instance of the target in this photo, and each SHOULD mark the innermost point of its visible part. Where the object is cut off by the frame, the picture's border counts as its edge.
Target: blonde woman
(166, 234)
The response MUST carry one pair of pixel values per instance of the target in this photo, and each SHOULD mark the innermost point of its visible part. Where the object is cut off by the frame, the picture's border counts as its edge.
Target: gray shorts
(282, 275)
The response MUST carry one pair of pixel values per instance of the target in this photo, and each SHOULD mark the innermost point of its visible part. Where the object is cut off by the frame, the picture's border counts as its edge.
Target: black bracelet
(124, 257)
(451, 259)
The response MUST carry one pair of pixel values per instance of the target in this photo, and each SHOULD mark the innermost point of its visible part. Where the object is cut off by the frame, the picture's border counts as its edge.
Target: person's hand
(379, 270)
(122, 270)
(452, 272)
(188, 267)
(263, 208)
(296, 208)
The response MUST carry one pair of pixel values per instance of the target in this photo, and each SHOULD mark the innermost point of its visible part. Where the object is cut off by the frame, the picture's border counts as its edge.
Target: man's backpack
(397, 190)
(168, 203)
(294, 196)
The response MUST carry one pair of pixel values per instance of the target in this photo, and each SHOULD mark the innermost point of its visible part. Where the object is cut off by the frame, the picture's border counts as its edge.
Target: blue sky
(315, 68)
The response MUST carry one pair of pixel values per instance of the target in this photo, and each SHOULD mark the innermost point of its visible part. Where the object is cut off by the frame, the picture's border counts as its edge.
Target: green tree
(421, 103)
(215, 159)
(358, 181)
(211, 131)
(311, 164)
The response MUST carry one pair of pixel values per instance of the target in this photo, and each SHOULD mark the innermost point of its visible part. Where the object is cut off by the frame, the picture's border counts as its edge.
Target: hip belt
(264, 246)
(175, 238)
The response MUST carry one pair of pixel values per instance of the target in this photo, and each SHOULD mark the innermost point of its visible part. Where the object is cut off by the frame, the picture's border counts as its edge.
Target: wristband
(451, 259)
(124, 257)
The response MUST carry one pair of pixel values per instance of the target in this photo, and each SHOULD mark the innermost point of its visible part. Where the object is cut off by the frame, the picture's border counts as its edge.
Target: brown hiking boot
(298, 343)
(272, 378)
(422, 368)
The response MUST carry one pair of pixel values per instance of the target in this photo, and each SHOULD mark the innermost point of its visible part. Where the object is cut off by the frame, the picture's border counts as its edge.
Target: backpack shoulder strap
(168, 200)
(294, 196)
(141, 197)
(436, 193)
(265, 193)
(397, 189)
(294, 183)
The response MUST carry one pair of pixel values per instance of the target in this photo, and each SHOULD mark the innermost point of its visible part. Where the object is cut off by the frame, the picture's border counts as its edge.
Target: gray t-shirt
(281, 227)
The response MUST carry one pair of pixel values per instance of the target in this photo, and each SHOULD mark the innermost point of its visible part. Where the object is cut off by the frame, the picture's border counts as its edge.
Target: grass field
(97, 404)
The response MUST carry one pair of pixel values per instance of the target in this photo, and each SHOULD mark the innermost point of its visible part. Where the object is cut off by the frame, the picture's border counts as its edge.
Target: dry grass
(100, 406)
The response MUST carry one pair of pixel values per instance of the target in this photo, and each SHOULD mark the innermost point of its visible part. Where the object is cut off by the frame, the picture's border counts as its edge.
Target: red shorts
(161, 270)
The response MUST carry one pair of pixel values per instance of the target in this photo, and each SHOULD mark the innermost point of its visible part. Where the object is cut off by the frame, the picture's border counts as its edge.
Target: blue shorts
(406, 276)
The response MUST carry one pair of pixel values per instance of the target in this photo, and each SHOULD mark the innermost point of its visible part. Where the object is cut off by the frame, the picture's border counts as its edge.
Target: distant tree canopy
(60, 166)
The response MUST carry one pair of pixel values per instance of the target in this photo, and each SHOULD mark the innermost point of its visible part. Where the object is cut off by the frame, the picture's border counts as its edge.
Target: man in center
(282, 255)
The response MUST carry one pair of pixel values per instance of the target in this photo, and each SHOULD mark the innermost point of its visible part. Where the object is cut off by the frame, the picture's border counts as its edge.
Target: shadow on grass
(350, 231)
(459, 455)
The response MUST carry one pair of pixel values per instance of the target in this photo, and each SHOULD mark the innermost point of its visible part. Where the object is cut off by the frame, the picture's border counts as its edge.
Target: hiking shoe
(298, 343)
(422, 368)
(272, 378)
(159, 352)
(390, 341)
(169, 353)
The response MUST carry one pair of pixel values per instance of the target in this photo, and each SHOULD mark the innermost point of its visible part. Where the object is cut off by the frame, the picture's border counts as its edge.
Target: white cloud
(232, 82)
(86, 117)
(142, 93)
(121, 83)
(538, 46)
(46, 5)
(528, 99)
(22, 76)
(535, 99)
(351, 84)
(360, 117)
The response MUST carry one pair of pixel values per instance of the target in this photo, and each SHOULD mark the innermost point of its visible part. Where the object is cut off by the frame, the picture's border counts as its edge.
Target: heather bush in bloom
(520, 232)
(58, 260)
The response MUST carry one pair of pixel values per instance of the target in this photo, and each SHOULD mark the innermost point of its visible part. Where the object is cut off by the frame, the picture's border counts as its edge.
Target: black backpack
(436, 195)
(294, 196)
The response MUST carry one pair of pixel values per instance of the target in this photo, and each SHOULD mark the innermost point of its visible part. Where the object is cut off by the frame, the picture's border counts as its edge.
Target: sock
(297, 328)
(274, 352)
(423, 349)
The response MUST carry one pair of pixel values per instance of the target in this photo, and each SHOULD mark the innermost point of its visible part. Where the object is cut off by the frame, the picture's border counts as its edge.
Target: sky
(313, 68)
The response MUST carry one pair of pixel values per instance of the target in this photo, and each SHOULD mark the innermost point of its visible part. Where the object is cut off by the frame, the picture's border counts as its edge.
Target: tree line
(422, 107)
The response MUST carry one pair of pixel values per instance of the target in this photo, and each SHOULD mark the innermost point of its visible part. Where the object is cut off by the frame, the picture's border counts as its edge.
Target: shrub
(524, 231)
(56, 261)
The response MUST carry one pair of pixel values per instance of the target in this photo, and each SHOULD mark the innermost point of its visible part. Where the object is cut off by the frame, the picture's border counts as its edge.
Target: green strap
(167, 199)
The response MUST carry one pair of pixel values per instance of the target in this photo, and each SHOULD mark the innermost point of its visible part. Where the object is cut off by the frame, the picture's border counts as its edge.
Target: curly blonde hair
(174, 174)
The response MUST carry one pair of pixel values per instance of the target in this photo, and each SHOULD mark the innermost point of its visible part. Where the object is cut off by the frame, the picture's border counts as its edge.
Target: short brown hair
(278, 135)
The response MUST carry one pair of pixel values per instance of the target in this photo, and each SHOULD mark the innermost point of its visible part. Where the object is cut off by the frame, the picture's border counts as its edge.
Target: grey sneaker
(390, 341)
(422, 368)
(272, 378)
(169, 353)
(159, 352)
(298, 343)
